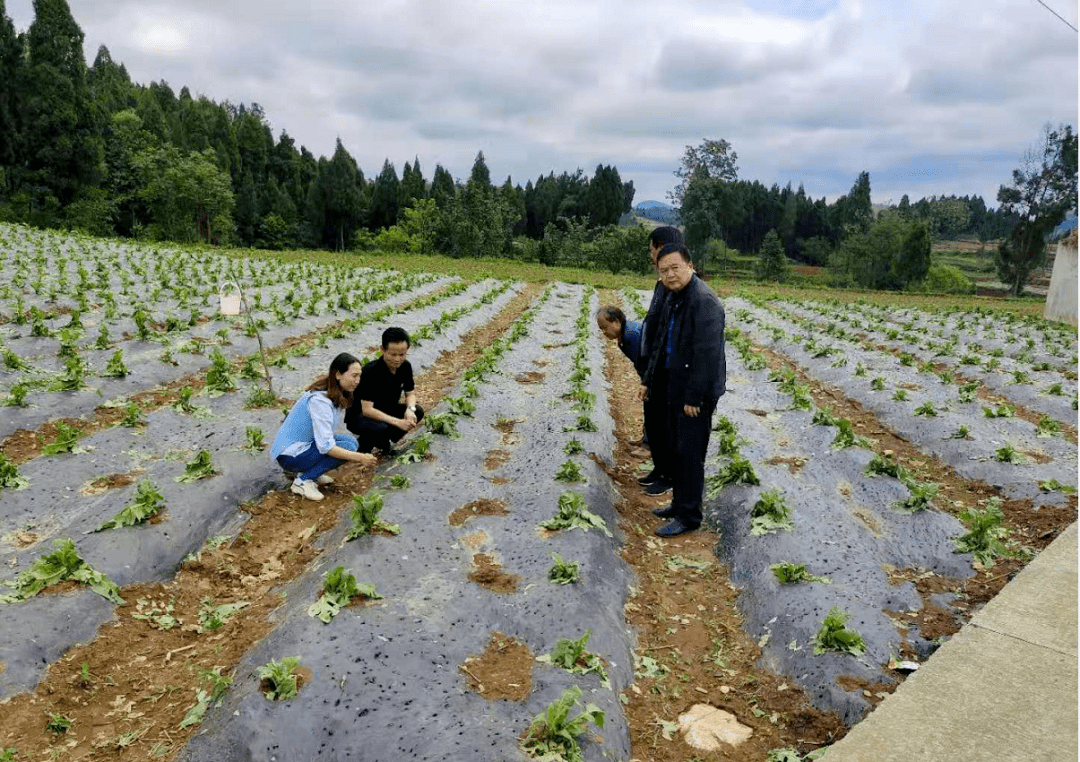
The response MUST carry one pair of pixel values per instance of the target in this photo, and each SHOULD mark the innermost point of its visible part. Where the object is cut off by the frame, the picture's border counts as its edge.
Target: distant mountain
(653, 205)
(658, 211)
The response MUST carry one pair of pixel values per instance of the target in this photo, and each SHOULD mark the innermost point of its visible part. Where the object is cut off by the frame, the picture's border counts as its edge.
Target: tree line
(84, 147)
(885, 247)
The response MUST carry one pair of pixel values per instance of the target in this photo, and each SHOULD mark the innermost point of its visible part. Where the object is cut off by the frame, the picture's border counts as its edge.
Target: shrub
(943, 279)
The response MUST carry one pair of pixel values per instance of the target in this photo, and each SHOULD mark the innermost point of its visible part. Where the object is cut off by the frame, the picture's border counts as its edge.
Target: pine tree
(480, 174)
(412, 184)
(10, 74)
(61, 139)
(383, 210)
(442, 186)
(772, 264)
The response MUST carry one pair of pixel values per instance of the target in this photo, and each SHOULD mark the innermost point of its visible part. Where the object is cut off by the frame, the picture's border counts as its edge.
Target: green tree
(1043, 191)
(335, 200)
(891, 254)
(10, 73)
(189, 197)
(713, 158)
(385, 198)
(61, 142)
(711, 208)
(480, 174)
(412, 185)
(442, 186)
(771, 264)
(606, 196)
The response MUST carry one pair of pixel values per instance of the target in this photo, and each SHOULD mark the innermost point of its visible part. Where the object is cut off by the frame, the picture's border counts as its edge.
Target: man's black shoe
(649, 478)
(674, 529)
(665, 513)
(658, 487)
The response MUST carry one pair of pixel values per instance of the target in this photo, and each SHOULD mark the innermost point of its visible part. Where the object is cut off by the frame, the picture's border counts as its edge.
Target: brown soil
(101, 484)
(529, 377)
(500, 480)
(488, 573)
(872, 692)
(687, 621)
(496, 458)
(477, 508)
(794, 464)
(506, 425)
(134, 665)
(502, 672)
(21, 538)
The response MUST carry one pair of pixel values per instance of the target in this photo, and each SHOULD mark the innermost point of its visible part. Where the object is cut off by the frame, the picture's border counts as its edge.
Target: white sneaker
(307, 488)
(325, 479)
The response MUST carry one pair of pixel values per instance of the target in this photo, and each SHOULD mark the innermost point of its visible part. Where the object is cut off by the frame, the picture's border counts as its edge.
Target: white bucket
(230, 298)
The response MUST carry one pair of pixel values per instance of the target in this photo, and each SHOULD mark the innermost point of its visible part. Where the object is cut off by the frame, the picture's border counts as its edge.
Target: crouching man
(377, 415)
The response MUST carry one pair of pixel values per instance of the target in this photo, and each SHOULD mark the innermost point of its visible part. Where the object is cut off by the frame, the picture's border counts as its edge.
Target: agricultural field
(493, 591)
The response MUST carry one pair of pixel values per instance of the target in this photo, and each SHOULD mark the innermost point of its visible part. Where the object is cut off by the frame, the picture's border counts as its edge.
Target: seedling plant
(339, 588)
(364, 516)
(564, 572)
(572, 656)
(833, 636)
(788, 573)
(280, 678)
(148, 501)
(62, 564)
(553, 734)
(573, 514)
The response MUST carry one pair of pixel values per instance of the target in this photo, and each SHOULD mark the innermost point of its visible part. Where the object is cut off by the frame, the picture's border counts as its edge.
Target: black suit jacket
(697, 373)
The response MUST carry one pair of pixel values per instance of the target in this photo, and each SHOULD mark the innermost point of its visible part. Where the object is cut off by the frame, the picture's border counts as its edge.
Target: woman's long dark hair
(329, 382)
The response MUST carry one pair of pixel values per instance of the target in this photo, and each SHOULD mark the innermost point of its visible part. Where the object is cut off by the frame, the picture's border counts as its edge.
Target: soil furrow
(128, 690)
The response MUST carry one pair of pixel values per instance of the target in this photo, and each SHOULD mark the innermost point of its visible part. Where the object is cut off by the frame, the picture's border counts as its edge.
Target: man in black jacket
(659, 480)
(686, 344)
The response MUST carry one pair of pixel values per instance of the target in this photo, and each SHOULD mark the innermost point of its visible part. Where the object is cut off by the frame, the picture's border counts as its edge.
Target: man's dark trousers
(656, 425)
(372, 434)
(689, 443)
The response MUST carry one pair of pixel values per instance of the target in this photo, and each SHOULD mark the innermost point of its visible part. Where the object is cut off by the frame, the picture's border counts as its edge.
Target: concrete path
(1003, 688)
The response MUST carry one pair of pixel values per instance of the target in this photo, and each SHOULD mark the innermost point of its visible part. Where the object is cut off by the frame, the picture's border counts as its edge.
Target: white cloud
(937, 97)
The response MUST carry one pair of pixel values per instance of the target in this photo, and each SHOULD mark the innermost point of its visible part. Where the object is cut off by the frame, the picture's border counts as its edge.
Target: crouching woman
(306, 442)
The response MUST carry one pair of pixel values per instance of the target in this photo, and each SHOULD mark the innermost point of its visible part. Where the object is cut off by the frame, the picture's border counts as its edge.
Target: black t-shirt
(383, 388)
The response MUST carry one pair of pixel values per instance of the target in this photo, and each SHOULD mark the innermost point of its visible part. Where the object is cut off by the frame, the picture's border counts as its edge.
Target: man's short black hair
(674, 248)
(664, 235)
(612, 314)
(393, 336)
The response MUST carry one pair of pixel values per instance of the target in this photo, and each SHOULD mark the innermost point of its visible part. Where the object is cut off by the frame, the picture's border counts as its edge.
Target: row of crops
(494, 530)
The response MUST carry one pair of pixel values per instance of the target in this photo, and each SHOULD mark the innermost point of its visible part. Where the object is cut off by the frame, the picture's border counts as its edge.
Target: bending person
(627, 335)
(306, 442)
(377, 416)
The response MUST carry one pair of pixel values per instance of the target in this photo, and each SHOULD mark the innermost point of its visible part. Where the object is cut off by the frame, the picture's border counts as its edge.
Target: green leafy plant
(116, 367)
(461, 405)
(880, 466)
(961, 432)
(219, 378)
(280, 678)
(563, 572)
(927, 409)
(443, 423)
(1053, 485)
(1008, 454)
(572, 656)
(553, 734)
(1001, 411)
(738, 471)
(254, 440)
(62, 564)
(148, 501)
(877, 384)
(583, 423)
(846, 436)
(207, 698)
(900, 395)
(770, 514)
(967, 392)
(67, 438)
(17, 395)
(788, 573)
(1047, 427)
(58, 723)
(985, 538)
(833, 636)
(213, 617)
(398, 481)
(158, 614)
(574, 447)
(801, 399)
(339, 588)
(921, 495)
(569, 472)
(417, 451)
(132, 416)
(365, 516)
(860, 369)
(1055, 390)
(73, 377)
(260, 397)
(573, 514)
(201, 467)
(9, 475)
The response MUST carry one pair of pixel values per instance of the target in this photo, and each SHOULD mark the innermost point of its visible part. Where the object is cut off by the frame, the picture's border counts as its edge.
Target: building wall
(1061, 300)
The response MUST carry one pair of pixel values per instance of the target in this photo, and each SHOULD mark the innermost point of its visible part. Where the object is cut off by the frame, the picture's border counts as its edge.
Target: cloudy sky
(930, 97)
